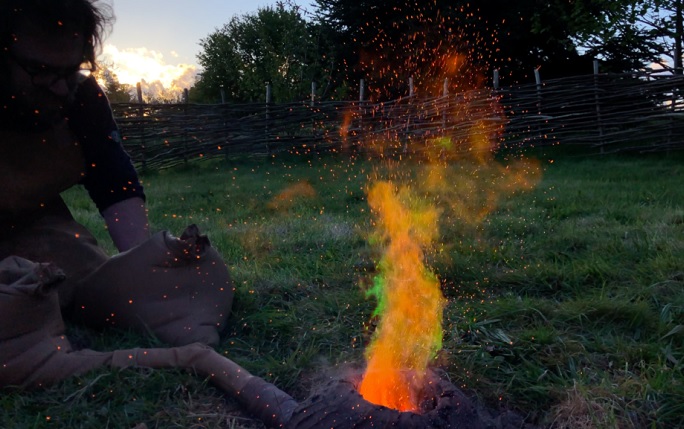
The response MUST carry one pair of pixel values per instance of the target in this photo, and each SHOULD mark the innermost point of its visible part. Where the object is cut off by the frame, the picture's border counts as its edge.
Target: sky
(156, 42)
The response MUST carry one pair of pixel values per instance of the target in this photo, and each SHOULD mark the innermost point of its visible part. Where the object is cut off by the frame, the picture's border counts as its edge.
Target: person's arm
(110, 178)
(127, 223)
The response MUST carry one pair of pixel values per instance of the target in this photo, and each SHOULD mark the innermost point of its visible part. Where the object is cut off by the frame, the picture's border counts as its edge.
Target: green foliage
(116, 91)
(634, 34)
(275, 45)
(389, 41)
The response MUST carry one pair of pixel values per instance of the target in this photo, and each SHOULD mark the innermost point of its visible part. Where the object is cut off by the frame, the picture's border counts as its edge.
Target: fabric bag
(34, 351)
(178, 289)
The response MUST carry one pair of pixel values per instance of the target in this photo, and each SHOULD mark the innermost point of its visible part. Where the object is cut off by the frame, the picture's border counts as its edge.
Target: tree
(388, 42)
(632, 35)
(275, 45)
(663, 23)
(116, 91)
(463, 41)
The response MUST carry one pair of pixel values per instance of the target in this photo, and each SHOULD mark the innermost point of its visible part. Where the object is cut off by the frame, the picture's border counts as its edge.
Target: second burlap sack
(177, 289)
(35, 352)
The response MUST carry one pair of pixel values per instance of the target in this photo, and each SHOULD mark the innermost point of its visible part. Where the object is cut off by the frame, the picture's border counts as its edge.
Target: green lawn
(565, 300)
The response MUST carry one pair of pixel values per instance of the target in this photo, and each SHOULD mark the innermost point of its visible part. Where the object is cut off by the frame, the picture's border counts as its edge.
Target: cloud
(160, 79)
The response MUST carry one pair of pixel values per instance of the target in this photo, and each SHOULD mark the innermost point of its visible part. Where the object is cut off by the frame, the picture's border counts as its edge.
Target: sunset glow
(159, 79)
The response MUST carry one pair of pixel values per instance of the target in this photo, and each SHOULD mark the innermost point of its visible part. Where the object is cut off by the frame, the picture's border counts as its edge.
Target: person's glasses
(44, 75)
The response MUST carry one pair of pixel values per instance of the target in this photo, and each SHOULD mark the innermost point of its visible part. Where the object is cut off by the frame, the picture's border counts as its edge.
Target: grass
(565, 301)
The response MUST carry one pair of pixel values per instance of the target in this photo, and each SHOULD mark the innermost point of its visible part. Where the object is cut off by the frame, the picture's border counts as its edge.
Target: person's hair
(89, 17)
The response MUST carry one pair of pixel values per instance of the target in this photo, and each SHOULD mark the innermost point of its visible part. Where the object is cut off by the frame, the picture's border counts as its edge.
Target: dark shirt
(109, 173)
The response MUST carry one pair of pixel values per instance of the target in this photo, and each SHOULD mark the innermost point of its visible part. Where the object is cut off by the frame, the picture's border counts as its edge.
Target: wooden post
(269, 98)
(362, 111)
(269, 93)
(224, 146)
(407, 128)
(496, 119)
(138, 88)
(313, 104)
(675, 91)
(537, 80)
(597, 100)
(141, 118)
(445, 94)
(185, 126)
(313, 94)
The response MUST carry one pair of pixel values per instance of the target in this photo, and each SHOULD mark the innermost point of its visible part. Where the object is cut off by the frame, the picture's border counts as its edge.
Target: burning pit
(339, 405)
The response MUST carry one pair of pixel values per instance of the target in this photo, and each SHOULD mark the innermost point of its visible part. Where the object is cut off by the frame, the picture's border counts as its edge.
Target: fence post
(597, 100)
(445, 94)
(673, 107)
(138, 89)
(141, 116)
(313, 104)
(496, 136)
(313, 94)
(407, 129)
(537, 80)
(185, 127)
(362, 111)
(269, 98)
(224, 146)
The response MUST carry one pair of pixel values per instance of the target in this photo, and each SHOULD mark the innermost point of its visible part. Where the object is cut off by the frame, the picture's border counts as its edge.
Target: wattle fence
(606, 113)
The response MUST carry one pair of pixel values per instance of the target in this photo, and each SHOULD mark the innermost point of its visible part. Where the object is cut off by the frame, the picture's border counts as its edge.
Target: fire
(468, 184)
(344, 130)
(290, 195)
(409, 333)
(457, 179)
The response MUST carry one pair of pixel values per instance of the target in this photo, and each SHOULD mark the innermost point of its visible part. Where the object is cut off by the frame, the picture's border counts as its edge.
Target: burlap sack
(33, 349)
(52, 235)
(179, 289)
(34, 352)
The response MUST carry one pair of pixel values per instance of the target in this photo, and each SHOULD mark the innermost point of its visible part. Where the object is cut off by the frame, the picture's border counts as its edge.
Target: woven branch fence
(605, 112)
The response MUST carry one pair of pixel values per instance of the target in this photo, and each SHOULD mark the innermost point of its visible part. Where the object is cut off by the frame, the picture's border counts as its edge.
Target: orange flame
(459, 173)
(410, 332)
(288, 196)
(410, 302)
